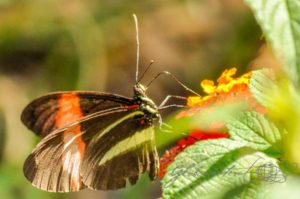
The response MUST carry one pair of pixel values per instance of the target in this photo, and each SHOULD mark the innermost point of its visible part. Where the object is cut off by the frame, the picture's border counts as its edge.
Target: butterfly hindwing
(61, 161)
(120, 153)
(55, 110)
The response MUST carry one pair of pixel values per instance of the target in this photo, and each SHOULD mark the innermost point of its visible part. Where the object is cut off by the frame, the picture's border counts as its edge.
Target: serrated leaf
(280, 21)
(256, 131)
(220, 168)
(262, 85)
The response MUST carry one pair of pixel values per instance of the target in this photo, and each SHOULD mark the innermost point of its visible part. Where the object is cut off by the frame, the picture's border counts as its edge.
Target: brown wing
(55, 110)
(54, 165)
(61, 162)
(117, 155)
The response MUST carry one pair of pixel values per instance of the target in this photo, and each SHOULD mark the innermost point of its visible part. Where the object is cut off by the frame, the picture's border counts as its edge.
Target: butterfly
(91, 139)
(95, 140)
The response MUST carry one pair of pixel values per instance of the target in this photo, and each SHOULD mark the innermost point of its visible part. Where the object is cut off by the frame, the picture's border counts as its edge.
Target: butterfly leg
(163, 126)
(167, 129)
(164, 102)
(175, 79)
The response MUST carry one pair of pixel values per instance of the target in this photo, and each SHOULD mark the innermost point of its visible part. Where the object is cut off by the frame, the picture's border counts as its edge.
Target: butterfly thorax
(145, 103)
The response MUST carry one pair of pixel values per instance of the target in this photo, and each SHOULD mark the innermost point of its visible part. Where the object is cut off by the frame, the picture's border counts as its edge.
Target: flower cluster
(228, 89)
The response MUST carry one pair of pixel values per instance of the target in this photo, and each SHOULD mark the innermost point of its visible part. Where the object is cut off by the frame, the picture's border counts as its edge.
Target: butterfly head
(139, 89)
(146, 104)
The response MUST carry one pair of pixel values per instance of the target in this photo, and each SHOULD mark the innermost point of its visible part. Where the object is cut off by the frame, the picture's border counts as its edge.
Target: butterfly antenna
(174, 78)
(137, 48)
(145, 71)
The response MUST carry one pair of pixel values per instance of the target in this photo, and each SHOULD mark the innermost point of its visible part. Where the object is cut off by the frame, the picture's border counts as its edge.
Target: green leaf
(262, 85)
(202, 119)
(290, 189)
(220, 168)
(280, 21)
(256, 131)
(280, 97)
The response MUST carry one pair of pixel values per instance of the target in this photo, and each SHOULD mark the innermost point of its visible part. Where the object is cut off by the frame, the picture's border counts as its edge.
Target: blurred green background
(53, 45)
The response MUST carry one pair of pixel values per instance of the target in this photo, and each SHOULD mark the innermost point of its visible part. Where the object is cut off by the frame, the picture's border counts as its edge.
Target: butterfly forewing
(55, 110)
(55, 163)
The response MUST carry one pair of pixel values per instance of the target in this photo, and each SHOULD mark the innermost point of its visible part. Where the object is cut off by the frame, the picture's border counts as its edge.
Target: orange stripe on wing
(70, 111)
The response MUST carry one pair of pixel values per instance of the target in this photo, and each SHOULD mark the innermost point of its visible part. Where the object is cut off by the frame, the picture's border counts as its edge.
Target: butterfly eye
(139, 88)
